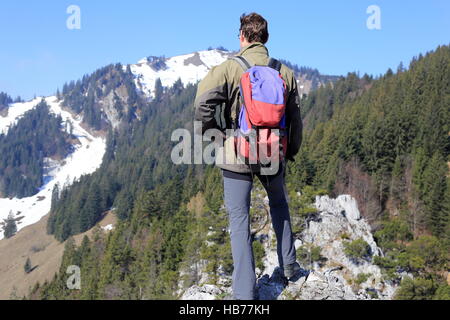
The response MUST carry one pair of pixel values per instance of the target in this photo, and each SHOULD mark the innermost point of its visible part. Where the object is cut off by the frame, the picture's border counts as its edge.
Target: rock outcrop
(336, 276)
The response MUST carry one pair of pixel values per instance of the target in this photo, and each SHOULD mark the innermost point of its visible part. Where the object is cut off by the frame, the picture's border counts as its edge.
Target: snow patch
(108, 227)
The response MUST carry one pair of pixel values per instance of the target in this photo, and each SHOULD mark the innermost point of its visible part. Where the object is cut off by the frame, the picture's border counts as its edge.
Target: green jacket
(218, 97)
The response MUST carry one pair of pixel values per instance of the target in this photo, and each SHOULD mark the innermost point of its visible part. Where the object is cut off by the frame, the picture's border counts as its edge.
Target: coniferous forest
(5, 100)
(36, 136)
(385, 141)
(137, 158)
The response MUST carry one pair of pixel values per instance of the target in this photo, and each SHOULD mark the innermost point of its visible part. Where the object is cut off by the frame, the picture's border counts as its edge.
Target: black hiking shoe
(291, 270)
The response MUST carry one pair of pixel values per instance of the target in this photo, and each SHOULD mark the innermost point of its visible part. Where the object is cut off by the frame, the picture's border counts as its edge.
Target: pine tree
(91, 211)
(446, 213)
(10, 228)
(419, 165)
(27, 266)
(398, 184)
(434, 193)
(158, 89)
(55, 195)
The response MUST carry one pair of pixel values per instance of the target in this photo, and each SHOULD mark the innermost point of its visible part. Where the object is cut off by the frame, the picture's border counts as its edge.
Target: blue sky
(38, 52)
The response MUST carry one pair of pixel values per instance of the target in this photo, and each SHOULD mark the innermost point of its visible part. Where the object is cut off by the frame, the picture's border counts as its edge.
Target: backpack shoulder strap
(274, 64)
(244, 63)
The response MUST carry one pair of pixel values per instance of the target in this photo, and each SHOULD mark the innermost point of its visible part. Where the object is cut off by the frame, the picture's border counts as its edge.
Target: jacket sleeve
(212, 91)
(294, 121)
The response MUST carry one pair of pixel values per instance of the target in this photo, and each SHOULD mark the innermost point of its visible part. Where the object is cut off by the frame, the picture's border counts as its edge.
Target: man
(218, 93)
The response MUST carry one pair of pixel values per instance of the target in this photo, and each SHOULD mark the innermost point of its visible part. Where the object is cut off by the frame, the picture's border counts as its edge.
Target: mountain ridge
(187, 68)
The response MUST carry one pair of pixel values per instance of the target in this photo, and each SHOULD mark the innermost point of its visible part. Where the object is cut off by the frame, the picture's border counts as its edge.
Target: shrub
(345, 236)
(357, 250)
(415, 289)
(442, 293)
(310, 254)
(427, 252)
(362, 277)
(392, 231)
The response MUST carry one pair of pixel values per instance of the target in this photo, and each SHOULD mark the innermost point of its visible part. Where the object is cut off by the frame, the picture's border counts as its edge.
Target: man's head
(254, 28)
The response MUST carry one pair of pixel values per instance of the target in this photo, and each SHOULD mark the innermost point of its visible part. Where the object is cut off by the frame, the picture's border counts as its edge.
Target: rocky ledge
(335, 275)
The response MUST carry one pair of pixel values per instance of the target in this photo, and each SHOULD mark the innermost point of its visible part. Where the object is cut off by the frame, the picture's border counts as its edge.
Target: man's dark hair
(254, 28)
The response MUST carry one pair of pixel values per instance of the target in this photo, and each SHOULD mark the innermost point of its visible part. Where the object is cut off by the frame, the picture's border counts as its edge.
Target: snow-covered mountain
(109, 88)
(88, 154)
(190, 68)
(86, 158)
(193, 67)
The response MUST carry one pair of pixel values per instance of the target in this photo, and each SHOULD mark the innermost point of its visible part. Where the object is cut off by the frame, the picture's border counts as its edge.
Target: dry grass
(44, 251)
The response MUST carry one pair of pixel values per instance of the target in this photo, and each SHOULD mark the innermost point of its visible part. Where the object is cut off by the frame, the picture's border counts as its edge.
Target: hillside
(45, 254)
(149, 99)
(37, 137)
(85, 158)
(386, 142)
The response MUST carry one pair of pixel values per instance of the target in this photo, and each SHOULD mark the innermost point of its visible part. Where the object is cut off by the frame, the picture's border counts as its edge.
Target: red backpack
(261, 136)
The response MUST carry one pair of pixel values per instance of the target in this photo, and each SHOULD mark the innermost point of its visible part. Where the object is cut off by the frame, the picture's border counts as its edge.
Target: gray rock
(337, 221)
(204, 292)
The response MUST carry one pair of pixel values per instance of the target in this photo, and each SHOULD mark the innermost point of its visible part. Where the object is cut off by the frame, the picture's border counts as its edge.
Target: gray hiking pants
(237, 189)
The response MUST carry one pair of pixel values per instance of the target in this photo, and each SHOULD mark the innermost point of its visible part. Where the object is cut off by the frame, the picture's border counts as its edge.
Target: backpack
(260, 124)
